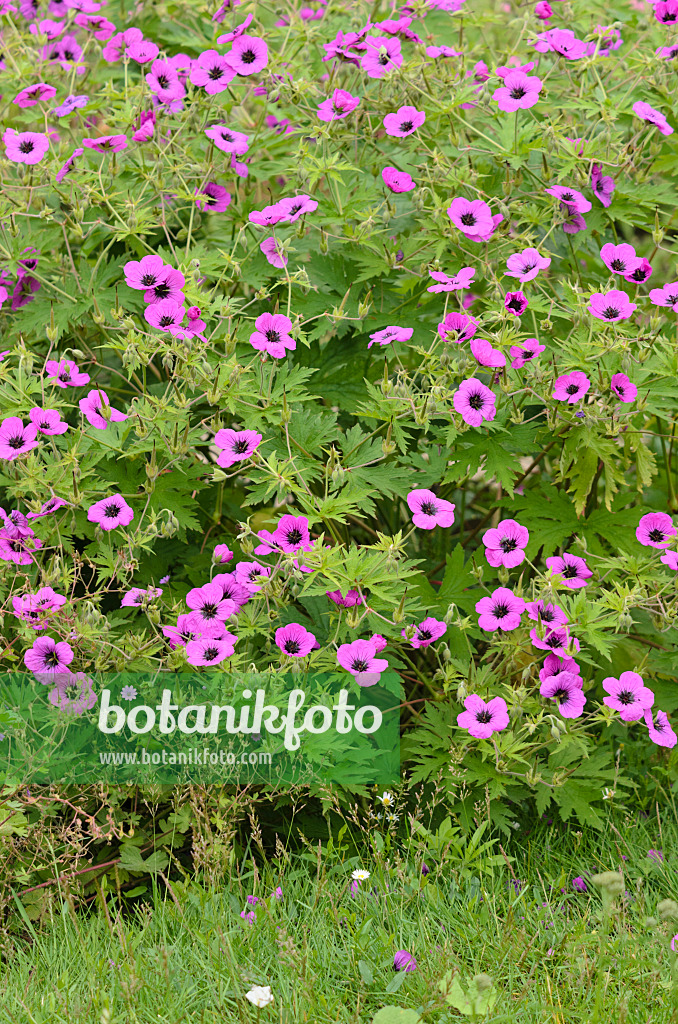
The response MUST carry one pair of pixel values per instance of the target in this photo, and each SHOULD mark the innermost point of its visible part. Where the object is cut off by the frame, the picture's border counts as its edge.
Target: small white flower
(260, 995)
(360, 875)
(386, 799)
(608, 793)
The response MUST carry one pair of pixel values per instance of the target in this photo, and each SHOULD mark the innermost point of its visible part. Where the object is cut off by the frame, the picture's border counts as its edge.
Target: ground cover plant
(336, 339)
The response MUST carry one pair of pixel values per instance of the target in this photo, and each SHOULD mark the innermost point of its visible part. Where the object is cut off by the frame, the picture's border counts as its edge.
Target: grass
(183, 953)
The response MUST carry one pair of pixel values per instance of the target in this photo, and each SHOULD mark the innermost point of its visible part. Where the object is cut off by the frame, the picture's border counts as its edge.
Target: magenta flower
(272, 335)
(164, 314)
(666, 296)
(666, 12)
(429, 510)
(573, 222)
(554, 665)
(208, 605)
(526, 264)
(110, 512)
(70, 105)
(518, 91)
(340, 104)
(232, 589)
(98, 411)
(670, 559)
(404, 122)
(611, 306)
(473, 217)
(505, 544)
(445, 283)
(144, 273)
(212, 71)
(222, 553)
(660, 731)
(268, 217)
(294, 207)
(457, 327)
(574, 200)
(525, 352)
(543, 10)
(106, 143)
(48, 656)
(33, 94)
(352, 598)
(380, 56)
(212, 198)
(551, 614)
(73, 693)
(565, 688)
(210, 650)
(274, 252)
(101, 28)
(572, 568)
(516, 303)
(571, 387)
(578, 884)
(249, 55)
(237, 445)
(294, 640)
(68, 164)
(557, 640)
(620, 259)
(482, 719)
(628, 695)
(404, 961)
(227, 140)
(47, 508)
(602, 186)
(136, 597)
(621, 386)
(389, 334)
(360, 658)
(164, 82)
(655, 530)
(25, 147)
(48, 421)
(475, 402)
(291, 533)
(168, 286)
(642, 272)
(486, 355)
(500, 610)
(647, 113)
(426, 632)
(562, 41)
(397, 181)
(17, 439)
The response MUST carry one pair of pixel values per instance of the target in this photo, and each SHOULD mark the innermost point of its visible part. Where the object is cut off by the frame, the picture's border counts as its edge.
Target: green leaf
(396, 1015)
(476, 1001)
(131, 859)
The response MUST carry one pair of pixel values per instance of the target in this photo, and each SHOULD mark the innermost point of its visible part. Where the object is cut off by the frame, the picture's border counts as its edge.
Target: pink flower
(486, 355)
(601, 185)
(360, 659)
(294, 207)
(380, 56)
(397, 181)
(228, 37)
(473, 217)
(571, 387)
(550, 614)
(25, 147)
(118, 44)
(670, 559)
(222, 553)
(642, 272)
(562, 41)
(237, 445)
(208, 606)
(647, 113)
(48, 656)
(48, 421)
(352, 598)
(164, 314)
(457, 327)
(611, 306)
(628, 695)
(500, 610)
(16, 439)
(164, 82)
(482, 719)
(620, 259)
(429, 510)
(505, 544)
(445, 283)
(666, 12)
(526, 264)
(572, 568)
(144, 273)
(660, 732)
(98, 411)
(101, 28)
(294, 640)
(212, 71)
(565, 688)
(68, 164)
(110, 512)
(621, 386)
(404, 122)
(426, 632)
(212, 198)
(666, 296)
(249, 55)
(518, 91)
(557, 640)
(543, 10)
(389, 334)
(575, 201)
(143, 51)
(475, 402)
(72, 693)
(272, 335)
(33, 94)
(655, 530)
(340, 104)
(525, 352)
(273, 252)
(106, 143)
(70, 105)
(515, 303)
(227, 140)
(210, 650)
(553, 666)
(574, 222)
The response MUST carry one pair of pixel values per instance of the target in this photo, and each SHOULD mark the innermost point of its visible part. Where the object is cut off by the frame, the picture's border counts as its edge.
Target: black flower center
(51, 659)
(27, 146)
(656, 535)
(273, 337)
(476, 401)
(508, 544)
(166, 321)
(500, 611)
(210, 653)
(209, 611)
(406, 126)
(468, 219)
(618, 265)
(570, 572)
(610, 312)
(163, 81)
(215, 74)
(112, 511)
(162, 290)
(428, 508)
(294, 536)
(292, 646)
(555, 641)
(64, 377)
(484, 716)
(626, 697)
(518, 93)
(359, 665)
(248, 57)
(572, 389)
(240, 446)
(16, 442)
